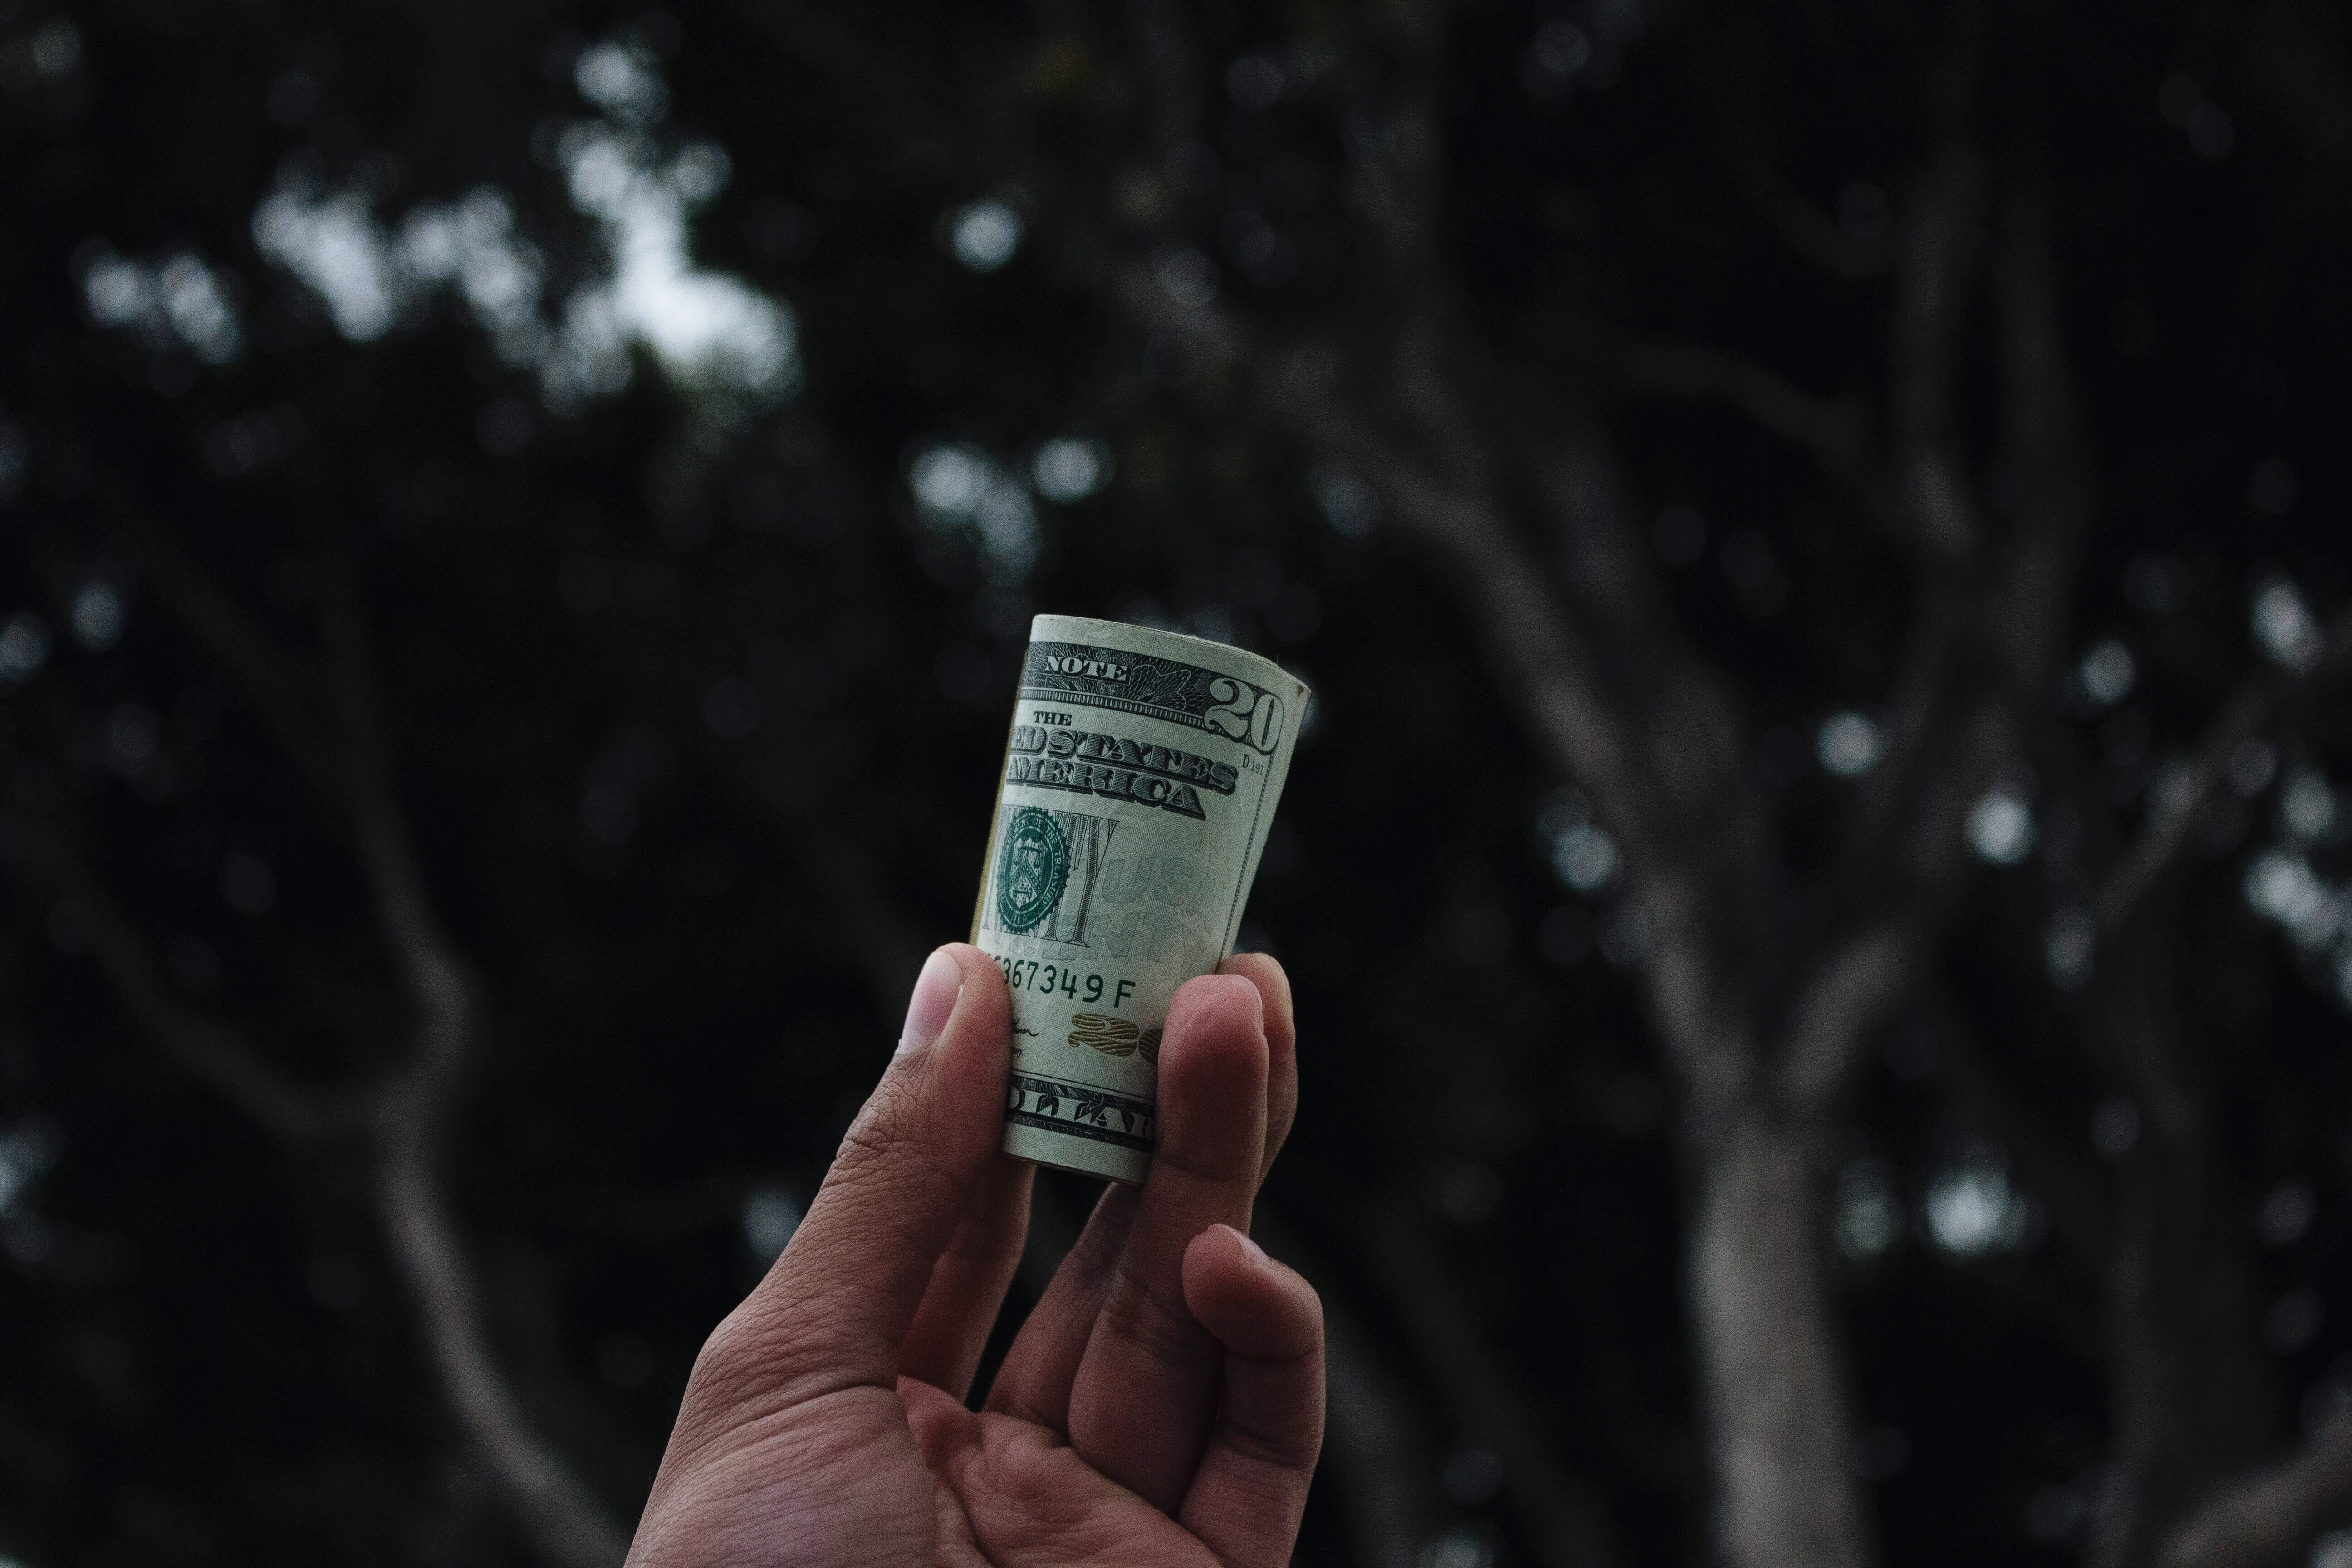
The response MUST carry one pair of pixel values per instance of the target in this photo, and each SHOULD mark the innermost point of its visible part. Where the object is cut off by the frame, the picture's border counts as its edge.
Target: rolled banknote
(1140, 780)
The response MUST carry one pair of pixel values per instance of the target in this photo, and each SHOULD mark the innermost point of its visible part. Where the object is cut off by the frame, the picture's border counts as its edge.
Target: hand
(1163, 1404)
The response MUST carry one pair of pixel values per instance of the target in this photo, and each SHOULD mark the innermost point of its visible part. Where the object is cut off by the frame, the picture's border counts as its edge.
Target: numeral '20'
(1245, 713)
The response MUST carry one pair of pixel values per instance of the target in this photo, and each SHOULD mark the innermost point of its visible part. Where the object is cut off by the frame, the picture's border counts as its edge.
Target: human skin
(1163, 1402)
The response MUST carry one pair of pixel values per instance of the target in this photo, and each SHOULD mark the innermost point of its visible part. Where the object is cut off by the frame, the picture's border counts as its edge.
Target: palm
(1019, 1489)
(1161, 1405)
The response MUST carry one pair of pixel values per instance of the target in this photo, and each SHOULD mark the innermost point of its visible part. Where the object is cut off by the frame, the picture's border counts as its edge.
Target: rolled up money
(1140, 780)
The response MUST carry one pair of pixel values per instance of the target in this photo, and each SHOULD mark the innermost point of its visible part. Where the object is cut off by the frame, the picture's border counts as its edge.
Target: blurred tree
(521, 527)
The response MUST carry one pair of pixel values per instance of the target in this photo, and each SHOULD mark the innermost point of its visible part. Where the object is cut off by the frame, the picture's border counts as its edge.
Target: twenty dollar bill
(1140, 780)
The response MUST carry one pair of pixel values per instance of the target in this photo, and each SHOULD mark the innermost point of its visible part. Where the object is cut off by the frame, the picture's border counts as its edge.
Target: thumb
(833, 1310)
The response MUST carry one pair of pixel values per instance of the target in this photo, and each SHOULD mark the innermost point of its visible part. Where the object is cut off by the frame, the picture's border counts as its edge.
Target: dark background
(690, 670)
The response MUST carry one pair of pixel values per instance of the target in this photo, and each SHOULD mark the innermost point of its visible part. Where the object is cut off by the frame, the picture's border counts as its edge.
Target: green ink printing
(1032, 869)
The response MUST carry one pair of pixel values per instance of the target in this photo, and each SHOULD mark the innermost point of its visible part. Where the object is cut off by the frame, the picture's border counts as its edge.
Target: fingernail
(936, 990)
(1256, 1253)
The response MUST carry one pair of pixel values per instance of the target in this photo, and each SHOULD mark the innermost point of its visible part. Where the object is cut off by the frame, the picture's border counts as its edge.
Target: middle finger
(1146, 1389)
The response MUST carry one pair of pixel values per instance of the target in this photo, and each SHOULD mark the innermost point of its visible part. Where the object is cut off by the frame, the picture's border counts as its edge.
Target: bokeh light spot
(1971, 1209)
(2284, 628)
(2107, 673)
(985, 235)
(2000, 826)
(1070, 469)
(1849, 745)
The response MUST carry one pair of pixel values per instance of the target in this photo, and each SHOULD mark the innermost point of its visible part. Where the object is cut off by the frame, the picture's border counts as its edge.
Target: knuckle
(885, 1170)
(1278, 1455)
(731, 1347)
(1164, 1332)
(753, 1363)
(725, 1370)
(1298, 1325)
(880, 1133)
(888, 1175)
(884, 1158)
(1310, 1319)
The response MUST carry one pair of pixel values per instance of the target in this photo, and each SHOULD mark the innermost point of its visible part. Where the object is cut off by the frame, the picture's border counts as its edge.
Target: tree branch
(1659, 779)
(1986, 626)
(1988, 629)
(438, 982)
(1545, 663)
(2046, 444)
(1562, 1511)
(2191, 1405)
(1803, 227)
(2249, 710)
(560, 1516)
(1849, 994)
(1376, 1450)
(2266, 1514)
(1680, 710)
(1938, 242)
(560, 1513)
(1541, 660)
(1931, 506)
(208, 1051)
(1376, 1437)
(1835, 431)
(342, 752)
(279, 683)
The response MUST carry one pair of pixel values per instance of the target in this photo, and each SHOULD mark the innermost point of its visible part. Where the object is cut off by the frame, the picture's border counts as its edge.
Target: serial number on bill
(1034, 975)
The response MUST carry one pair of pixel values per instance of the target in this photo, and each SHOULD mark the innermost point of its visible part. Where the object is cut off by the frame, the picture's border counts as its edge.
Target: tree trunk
(1773, 1386)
